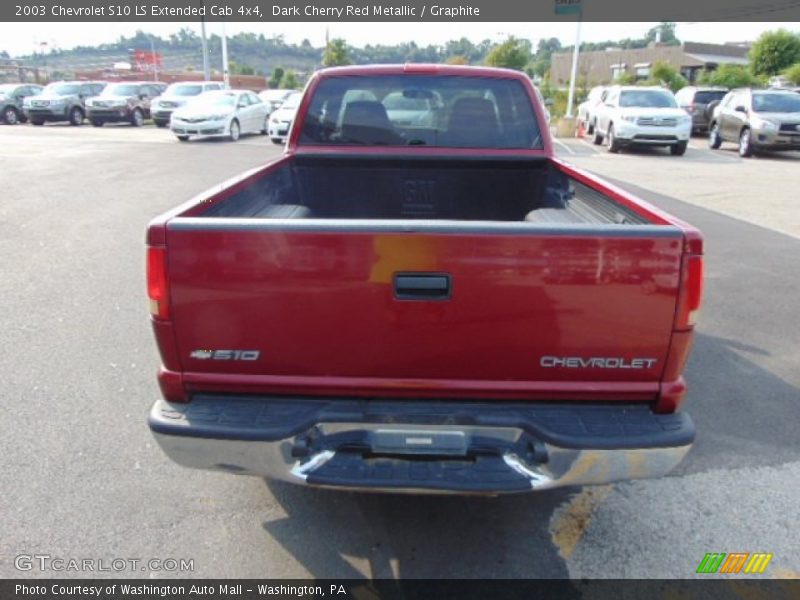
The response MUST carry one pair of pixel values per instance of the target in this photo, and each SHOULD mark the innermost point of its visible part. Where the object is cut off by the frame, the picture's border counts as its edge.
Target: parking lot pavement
(759, 190)
(82, 477)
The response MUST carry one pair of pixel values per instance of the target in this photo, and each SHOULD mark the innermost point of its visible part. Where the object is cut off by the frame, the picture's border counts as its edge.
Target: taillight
(157, 289)
(691, 293)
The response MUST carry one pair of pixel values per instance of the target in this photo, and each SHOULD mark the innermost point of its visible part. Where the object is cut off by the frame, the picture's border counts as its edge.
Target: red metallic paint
(319, 306)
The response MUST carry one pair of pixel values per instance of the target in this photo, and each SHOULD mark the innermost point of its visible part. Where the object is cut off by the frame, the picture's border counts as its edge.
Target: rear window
(421, 110)
(709, 96)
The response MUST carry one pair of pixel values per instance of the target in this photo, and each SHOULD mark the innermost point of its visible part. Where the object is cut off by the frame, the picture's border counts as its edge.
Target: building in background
(605, 66)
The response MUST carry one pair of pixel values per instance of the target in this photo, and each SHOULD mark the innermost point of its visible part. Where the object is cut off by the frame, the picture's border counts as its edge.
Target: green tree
(511, 54)
(667, 31)
(626, 79)
(276, 77)
(729, 76)
(289, 81)
(237, 69)
(458, 59)
(793, 74)
(336, 54)
(774, 51)
(665, 74)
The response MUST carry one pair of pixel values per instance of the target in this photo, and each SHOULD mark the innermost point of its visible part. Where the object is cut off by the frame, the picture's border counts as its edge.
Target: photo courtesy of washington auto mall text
(392, 299)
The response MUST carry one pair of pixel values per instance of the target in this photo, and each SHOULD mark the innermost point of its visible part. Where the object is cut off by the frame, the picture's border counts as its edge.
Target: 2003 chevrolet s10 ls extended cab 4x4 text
(418, 296)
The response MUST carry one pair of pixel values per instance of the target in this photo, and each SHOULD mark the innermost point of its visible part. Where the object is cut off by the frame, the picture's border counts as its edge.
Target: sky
(25, 38)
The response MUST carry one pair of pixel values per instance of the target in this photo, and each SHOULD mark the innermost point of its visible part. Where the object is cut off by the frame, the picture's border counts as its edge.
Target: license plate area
(418, 442)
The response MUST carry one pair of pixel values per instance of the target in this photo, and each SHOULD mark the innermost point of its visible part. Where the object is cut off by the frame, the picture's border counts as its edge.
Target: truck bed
(422, 188)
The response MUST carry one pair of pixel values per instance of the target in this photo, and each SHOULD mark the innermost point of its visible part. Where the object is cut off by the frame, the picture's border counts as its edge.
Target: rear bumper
(460, 447)
(110, 114)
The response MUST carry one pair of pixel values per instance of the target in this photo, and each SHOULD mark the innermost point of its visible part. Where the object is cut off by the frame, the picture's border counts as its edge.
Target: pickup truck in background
(439, 305)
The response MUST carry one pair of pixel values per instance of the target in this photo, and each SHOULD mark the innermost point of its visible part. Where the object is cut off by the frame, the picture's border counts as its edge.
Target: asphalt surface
(81, 477)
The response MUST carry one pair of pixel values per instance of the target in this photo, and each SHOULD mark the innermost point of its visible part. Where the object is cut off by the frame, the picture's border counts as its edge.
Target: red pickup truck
(418, 296)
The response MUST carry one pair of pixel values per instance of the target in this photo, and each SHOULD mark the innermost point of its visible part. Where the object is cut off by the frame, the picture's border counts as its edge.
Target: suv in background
(61, 101)
(757, 120)
(127, 101)
(176, 95)
(700, 103)
(12, 96)
(644, 116)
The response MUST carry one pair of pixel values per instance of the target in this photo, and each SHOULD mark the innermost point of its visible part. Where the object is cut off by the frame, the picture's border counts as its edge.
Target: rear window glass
(710, 96)
(421, 110)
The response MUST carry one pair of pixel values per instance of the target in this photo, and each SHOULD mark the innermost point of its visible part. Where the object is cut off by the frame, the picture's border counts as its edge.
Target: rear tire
(137, 118)
(266, 124)
(183, 138)
(590, 128)
(36, 122)
(160, 124)
(678, 149)
(745, 144)
(714, 138)
(597, 140)
(277, 141)
(234, 132)
(76, 117)
(11, 116)
(97, 122)
(613, 143)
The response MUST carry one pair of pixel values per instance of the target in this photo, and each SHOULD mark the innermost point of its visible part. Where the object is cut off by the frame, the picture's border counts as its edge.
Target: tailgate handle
(422, 286)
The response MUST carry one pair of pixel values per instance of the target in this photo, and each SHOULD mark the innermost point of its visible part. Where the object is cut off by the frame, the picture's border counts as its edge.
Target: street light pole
(574, 75)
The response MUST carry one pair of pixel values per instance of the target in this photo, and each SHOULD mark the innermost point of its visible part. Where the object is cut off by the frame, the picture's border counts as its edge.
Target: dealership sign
(568, 7)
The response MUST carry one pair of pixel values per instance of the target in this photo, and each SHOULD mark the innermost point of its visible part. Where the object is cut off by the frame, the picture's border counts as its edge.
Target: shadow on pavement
(344, 534)
(745, 415)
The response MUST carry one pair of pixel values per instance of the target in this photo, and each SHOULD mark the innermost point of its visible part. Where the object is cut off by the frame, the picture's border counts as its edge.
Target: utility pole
(574, 75)
(206, 66)
(226, 79)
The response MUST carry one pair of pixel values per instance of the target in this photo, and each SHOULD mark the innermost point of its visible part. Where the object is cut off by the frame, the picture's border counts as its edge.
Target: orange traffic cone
(581, 132)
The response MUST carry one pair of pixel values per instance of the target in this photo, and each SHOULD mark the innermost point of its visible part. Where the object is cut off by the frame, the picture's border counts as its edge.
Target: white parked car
(280, 122)
(226, 112)
(274, 98)
(587, 111)
(647, 116)
(177, 95)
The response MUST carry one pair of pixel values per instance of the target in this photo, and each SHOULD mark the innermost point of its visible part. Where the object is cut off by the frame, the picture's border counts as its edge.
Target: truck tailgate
(439, 310)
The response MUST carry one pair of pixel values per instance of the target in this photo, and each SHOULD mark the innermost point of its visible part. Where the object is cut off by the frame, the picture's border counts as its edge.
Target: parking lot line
(563, 145)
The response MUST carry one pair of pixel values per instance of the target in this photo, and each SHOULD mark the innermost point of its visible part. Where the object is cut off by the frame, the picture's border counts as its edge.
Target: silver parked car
(62, 101)
(281, 120)
(220, 113)
(757, 120)
(274, 98)
(177, 95)
(12, 96)
(587, 110)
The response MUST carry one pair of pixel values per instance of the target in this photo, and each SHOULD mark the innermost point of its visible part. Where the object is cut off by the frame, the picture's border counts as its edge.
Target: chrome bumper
(413, 456)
